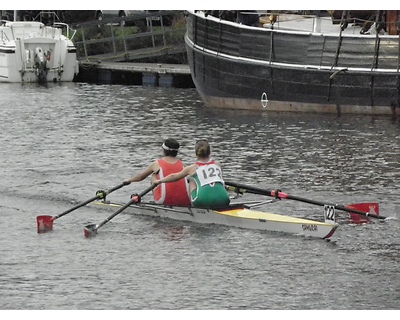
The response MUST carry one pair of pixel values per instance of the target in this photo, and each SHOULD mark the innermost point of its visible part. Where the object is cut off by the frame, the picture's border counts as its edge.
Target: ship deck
(293, 22)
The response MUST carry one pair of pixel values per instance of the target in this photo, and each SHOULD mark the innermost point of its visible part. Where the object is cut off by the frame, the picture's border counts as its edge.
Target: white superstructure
(30, 51)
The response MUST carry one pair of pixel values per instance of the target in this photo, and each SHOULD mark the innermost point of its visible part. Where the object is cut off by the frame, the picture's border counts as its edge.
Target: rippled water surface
(63, 143)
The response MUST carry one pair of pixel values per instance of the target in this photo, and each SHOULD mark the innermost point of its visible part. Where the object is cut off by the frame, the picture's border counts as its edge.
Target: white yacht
(30, 51)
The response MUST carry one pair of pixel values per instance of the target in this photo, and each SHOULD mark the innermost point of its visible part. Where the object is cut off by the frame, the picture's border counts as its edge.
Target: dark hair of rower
(170, 147)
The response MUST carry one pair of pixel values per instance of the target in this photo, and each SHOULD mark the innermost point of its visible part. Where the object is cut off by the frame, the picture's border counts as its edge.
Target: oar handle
(238, 187)
(242, 188)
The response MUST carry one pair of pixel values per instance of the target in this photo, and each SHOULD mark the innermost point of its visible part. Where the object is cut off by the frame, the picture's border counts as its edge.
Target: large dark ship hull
(241, 67)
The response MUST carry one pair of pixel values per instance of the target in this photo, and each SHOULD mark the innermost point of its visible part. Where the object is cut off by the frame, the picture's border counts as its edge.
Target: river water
(62, 143)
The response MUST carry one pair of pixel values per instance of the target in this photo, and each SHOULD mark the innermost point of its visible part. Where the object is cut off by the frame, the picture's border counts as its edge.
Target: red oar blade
(369, 207)
(90, 230)
(44, 223)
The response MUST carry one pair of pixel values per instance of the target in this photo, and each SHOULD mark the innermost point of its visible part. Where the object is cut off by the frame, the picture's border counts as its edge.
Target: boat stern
(261, 220)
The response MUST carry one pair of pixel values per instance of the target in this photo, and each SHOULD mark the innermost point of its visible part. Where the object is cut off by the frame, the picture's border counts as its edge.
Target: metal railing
(131, 37)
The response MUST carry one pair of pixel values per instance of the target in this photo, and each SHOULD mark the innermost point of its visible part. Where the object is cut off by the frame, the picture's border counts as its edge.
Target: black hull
(240, 67)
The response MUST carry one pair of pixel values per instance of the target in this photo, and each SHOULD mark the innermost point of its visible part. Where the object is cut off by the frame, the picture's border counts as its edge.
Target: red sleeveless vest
(171, 193)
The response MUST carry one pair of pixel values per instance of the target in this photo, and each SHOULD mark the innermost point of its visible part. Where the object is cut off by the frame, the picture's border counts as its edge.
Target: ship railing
(110, 40)
(3, 37)
(67, 27)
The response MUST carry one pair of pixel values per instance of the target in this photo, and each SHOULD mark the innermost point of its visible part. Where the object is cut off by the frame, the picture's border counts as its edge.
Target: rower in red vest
(207, 186)
(171, 194)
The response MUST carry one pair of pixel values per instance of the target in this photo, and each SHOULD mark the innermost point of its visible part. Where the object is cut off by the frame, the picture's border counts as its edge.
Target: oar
(45, 223)
(91, 229)
(240, 188)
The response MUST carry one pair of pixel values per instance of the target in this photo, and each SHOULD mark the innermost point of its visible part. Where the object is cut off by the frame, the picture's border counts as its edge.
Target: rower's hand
(156, 182)
(126, 182)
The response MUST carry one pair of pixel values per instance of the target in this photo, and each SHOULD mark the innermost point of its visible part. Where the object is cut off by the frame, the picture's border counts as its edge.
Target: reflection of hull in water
(297, 65)
(33, 52)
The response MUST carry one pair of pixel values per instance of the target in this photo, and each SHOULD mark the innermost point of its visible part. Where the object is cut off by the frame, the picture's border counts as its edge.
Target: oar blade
(44, 223)
(368, 207)
(90, 230)
(281, 195)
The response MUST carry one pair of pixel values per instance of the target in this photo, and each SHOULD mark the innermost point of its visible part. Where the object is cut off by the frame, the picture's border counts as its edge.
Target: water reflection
(171, 232)
(62, 143)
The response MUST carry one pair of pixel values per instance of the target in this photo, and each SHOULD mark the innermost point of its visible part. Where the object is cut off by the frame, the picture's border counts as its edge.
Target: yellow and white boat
(240, 215)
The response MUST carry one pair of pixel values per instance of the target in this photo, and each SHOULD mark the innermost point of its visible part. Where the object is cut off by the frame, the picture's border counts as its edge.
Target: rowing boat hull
(234, 217)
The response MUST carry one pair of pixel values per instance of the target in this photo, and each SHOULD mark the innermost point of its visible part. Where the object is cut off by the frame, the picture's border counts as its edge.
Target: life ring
(264, 100)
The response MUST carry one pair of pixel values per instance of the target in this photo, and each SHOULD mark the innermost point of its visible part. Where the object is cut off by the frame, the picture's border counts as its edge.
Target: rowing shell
(241, 217)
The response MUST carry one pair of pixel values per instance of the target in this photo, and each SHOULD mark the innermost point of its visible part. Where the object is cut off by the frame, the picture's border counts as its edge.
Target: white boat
(239, 215)
(30, 51)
